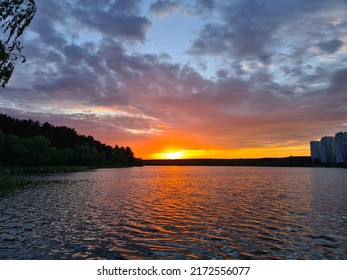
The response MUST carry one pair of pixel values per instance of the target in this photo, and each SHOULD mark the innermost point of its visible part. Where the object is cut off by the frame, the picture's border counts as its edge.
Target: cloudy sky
(206, 78)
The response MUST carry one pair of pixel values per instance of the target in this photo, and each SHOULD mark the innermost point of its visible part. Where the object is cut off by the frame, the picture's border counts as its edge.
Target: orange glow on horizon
(190, 147)
(173, 155)
(274, 152)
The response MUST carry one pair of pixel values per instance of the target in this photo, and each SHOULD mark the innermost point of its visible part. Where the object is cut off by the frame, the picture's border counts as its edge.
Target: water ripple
(177, 213)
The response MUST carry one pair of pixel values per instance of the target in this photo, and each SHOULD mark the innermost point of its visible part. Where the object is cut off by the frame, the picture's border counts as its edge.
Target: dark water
(178, 213)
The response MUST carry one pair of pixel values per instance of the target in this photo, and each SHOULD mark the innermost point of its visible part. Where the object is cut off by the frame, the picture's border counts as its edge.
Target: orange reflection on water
(179, 213)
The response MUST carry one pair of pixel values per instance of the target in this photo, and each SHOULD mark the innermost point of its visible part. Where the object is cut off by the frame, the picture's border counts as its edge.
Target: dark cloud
(246, 30)
(164, 7)
(115, 23)
(80, 75)
(338, 84)
(205, 5)
(167, 7)
(112, 19)
(74, 54)
(47, 32)
(117, 6)
(126, 6)
(119, 18)
(222, 73)
(53, 11)
(51, 14)
(330, 46)
(248, 27)
(210, 40)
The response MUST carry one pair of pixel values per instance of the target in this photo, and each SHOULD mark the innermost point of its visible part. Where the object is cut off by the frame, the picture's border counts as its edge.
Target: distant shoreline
(293, 161)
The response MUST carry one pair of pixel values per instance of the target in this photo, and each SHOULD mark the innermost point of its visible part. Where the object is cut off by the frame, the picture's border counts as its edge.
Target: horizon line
(168, 159)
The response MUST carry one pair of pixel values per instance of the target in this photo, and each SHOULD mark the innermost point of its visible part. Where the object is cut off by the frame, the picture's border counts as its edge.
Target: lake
(172, 212)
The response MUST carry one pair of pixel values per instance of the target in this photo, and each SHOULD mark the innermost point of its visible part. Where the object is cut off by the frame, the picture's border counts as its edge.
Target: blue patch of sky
(173, 34)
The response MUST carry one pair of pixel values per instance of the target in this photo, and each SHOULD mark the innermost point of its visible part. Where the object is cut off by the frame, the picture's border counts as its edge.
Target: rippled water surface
(177, 213)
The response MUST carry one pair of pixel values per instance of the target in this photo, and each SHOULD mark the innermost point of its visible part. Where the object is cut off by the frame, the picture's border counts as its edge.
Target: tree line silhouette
(30, 143)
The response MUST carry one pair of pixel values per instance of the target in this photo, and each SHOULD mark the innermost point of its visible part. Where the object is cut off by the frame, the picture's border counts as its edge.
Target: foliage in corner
(15, 16)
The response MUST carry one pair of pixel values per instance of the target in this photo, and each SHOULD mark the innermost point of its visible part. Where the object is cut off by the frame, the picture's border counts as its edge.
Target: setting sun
(174, 155)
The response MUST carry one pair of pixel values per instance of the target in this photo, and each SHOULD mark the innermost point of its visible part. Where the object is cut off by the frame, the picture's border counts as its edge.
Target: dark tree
(28, 142)
(15, 16)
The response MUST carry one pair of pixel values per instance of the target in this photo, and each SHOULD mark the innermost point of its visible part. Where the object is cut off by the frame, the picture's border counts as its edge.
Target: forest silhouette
(30, 143)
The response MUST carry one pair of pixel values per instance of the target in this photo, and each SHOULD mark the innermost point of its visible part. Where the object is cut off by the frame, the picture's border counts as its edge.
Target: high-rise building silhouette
(327, 149)
(341, 147)
(330, 149)
(315, 151)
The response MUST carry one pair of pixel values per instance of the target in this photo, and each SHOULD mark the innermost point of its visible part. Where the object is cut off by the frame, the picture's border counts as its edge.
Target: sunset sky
(187, 79)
